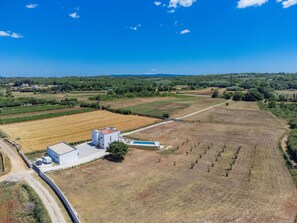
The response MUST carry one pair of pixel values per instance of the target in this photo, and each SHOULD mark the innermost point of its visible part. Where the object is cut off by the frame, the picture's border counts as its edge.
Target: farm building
(102, 138)
(62, 153)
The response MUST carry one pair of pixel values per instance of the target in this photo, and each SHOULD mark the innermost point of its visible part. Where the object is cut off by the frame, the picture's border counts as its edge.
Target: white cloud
(287, 3)
(74, 15)
(31, 6)
(248, 3)
(157, 3)
(185, 31)
(135, 28)
(171, 11)
(183, 3)
(10, 34)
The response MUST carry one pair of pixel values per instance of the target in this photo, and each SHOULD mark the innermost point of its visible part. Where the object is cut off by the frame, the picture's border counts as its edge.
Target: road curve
(20, 172)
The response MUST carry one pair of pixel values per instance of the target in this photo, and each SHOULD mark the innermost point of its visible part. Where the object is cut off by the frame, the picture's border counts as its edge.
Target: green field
(80, 95)
(29, 109)
(43, 116)
(158, 108)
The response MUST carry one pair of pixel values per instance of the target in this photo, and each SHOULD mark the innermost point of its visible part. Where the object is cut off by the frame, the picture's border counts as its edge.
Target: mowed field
(80, 95)
(124, 103)
(230, 171)
(37, 135)
(203, 92)
(175, 107)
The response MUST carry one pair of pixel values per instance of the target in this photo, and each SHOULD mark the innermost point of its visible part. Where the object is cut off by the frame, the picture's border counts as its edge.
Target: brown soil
(152, 186)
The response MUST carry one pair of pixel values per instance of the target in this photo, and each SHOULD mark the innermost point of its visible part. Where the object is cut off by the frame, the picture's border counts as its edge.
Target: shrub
(118, 151)
(166, 115)
(293, 124)
(215, 93)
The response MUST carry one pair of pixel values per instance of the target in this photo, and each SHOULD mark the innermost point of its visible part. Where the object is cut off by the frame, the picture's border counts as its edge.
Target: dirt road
(20, 172)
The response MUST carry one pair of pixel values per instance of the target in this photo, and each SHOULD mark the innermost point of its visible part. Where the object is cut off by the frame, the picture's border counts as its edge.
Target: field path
(179, 118)
(20, 172)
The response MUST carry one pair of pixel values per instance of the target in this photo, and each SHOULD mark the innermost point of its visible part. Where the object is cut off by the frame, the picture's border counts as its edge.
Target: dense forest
(256, 86)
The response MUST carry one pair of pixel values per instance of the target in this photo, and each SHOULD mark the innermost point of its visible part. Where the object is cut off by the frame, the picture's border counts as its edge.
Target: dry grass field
(80, 95)
(203, 92)
(37, 135)
(230, 171)
(239, 113)
(176, 107)
(123, 103)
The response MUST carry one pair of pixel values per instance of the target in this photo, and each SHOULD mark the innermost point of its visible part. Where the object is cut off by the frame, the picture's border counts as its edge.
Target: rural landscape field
(37, 135)
(162, 111)
(215, 170)
(226, 154)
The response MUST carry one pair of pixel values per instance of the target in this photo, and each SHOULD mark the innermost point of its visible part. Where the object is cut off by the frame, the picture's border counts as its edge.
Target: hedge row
(39, 212)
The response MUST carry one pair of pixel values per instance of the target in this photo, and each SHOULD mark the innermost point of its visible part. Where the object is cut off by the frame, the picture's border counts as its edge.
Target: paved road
(180, 118)
(20, 172)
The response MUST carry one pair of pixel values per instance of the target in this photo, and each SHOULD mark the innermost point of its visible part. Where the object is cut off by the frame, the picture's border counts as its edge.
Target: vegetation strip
(29, 109)
(20, 203)
(43, 116)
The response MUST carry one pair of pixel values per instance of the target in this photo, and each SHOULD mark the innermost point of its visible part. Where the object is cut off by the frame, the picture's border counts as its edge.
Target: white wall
(64, 158)
(103, 141)
(112, 137)
(95, 138)
(69, 157)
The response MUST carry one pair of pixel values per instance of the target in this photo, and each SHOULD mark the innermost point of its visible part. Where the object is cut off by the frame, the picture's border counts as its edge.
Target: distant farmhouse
(62, 153)
(102, 138)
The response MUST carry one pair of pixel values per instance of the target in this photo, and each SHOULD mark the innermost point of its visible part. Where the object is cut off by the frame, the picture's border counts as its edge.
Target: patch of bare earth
(206, 178)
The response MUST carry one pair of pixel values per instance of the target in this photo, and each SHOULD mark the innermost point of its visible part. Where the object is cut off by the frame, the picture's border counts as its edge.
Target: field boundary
(73, 215)
(287, 159)
(3, 163)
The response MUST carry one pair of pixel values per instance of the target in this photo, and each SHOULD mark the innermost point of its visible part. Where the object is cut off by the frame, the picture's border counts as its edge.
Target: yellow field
(37, 135)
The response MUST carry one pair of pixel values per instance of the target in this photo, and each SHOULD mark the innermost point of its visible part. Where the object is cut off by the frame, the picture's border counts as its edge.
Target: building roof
(62, 148)
(107, 131)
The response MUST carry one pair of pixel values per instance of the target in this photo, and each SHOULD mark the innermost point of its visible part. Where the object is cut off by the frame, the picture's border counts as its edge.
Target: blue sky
(52, 38)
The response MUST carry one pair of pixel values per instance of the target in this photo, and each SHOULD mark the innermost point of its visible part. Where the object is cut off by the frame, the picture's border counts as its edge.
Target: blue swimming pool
(143, 143)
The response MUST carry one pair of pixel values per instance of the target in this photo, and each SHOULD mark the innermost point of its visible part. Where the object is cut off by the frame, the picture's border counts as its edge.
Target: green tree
(166, 115)
(238, 96)
(118, 150)
(293, 124)
(272, 104)
(253, 95)
(215, 93)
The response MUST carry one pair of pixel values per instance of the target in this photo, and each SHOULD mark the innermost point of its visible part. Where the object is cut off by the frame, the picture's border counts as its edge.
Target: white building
(102, 138)
(62, 153)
